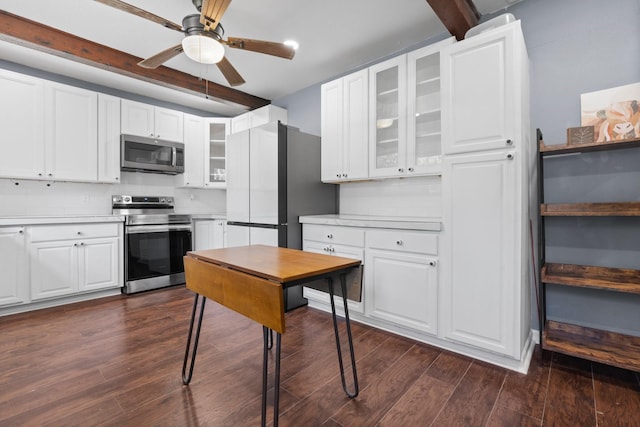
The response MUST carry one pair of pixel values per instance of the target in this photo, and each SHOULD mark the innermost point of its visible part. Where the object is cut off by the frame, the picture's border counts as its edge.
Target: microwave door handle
(174, 157)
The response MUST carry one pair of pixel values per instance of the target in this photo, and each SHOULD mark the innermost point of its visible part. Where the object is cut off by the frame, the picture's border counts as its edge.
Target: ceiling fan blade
(160, 58)
(231, 74)
(141, 13)
(211, 13)
(261, 46)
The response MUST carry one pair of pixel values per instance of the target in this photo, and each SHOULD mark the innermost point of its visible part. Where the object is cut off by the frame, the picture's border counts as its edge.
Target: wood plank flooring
(117, 362)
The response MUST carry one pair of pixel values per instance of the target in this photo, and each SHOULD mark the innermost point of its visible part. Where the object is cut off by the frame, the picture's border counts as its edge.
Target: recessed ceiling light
(292, 43)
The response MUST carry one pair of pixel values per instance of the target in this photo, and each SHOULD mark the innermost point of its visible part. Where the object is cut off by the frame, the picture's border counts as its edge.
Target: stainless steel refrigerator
(273, 177)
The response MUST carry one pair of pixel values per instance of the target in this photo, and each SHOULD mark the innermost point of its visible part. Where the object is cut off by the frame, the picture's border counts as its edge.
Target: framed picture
(614, 113)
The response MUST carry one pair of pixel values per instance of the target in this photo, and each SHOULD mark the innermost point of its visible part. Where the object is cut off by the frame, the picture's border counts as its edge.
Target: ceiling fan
(201, 29)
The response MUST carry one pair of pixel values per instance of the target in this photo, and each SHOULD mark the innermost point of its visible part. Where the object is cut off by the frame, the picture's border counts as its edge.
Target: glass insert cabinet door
(424, 134)
(216, 152)
(387, 121)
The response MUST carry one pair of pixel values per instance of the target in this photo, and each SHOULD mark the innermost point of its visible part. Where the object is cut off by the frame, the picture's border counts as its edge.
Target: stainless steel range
(155, 241)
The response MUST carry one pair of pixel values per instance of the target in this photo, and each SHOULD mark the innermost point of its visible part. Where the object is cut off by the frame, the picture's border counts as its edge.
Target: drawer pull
(329, 236)
(79, 233)
(399, 242)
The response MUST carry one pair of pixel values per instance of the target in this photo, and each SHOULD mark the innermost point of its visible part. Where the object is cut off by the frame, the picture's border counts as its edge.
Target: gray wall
(574, 46)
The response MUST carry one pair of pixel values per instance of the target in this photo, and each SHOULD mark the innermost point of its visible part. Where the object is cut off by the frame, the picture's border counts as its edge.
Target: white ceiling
(335, 36)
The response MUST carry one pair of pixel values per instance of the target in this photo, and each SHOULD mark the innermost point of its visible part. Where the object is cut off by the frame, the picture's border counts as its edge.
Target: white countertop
(374, 222)
(60, 219)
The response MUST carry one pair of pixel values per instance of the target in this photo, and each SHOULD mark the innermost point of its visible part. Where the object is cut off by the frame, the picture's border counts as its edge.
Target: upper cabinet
(205, 142)
(193, 175)
(258, 117)
(155, 122)
(398, 113)
(424, 109)
(21, 125)
(215, 152)
(108, 138)
(481, 79)
(344, 128)
(388, 117)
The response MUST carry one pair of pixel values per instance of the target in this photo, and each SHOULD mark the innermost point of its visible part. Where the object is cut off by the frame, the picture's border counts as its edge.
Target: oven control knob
(163, 200)
(126, 199)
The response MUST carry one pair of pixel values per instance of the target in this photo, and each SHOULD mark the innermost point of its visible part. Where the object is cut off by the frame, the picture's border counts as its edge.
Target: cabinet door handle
(344, 175)
(75, 244)
(432, 263)
(410, 169)
(117, 178)
(40, 174)
(79, 233)
(21, 231)
(399, 242)
(509, 142)
(50, 174)
(151, 134)
(329, 236)
(400, 169)
(510, 156)
(338, 175)
(81, 243)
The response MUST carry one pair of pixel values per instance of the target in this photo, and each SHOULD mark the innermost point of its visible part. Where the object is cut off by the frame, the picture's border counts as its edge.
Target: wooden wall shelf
(591, 209)
(588, 343)
(587, 276)
(548, 150)
(607, 347)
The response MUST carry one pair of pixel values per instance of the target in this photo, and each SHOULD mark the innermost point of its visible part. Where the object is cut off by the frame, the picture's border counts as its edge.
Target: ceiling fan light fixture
(292, 44)
(203, 49)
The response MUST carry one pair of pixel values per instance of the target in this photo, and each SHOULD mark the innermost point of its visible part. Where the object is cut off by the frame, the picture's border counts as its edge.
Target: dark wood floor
(117, 362)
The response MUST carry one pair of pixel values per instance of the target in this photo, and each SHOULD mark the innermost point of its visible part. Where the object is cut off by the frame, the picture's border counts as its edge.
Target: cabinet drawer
(405, 241)
(72, 231)
(332, 234)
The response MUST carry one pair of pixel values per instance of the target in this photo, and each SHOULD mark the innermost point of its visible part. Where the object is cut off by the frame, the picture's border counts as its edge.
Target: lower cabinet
(67, 259)
(402, 279)
(209, 234)
(14, 263)
(337, 241)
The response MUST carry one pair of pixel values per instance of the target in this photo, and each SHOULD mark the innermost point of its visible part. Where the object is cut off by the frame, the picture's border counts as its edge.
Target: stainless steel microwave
(152, 155)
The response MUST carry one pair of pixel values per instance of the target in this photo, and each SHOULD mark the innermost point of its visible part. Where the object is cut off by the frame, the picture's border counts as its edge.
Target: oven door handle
(137, 229)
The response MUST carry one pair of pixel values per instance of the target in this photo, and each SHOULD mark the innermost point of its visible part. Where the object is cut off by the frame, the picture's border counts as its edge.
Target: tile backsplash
(51, 198)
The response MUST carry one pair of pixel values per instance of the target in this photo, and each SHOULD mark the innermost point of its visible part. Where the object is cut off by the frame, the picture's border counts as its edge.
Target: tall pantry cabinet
(486, 139)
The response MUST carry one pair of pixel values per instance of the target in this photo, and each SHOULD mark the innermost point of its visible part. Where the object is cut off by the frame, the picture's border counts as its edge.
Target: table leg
(343, 287)
(268, 343)
(186, 379)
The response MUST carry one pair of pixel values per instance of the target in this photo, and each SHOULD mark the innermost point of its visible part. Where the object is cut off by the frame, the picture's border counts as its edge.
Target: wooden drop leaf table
(250, 280)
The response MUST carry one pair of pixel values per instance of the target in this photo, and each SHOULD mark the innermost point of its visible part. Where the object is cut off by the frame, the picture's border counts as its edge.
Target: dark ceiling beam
(458, 16)
(18, 30)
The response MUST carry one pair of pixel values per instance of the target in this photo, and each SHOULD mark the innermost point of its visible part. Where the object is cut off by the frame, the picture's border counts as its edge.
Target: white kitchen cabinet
(108, 138)
(148, 120)
(258, 117)
(68, 259)
(484, 247)
(194, 142)
(209, 234)
(215, 152)
(388, 117)
(345, 242)
(402, 278)
(71, 133)
(344, 128)
(14, 263)
(21, 125)
(486, 193)
(483, 79)
(424, 110)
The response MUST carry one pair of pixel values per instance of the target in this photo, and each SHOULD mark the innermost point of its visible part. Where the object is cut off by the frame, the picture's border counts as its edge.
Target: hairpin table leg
(343, 287)
(186, 379)
(268, 343)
